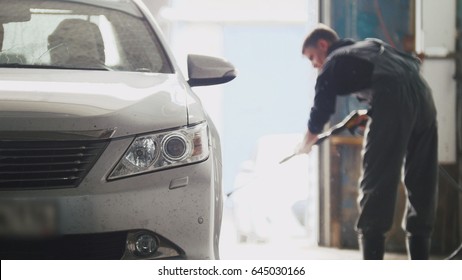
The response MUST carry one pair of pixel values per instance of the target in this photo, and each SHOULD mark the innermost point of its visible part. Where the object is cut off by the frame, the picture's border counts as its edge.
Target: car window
(75, 35)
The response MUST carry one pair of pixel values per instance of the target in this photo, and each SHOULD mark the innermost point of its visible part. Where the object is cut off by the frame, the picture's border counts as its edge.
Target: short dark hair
(321, 32)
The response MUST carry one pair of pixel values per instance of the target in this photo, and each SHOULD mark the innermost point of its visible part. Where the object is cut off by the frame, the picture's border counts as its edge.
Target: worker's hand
(307, 143)
(358, 125)
(361, 121)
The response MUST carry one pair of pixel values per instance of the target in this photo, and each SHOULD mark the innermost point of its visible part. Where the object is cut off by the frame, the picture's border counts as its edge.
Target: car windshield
(79, 34)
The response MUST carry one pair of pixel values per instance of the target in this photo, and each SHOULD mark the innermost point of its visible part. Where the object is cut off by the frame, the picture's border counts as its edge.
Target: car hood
(81, 104)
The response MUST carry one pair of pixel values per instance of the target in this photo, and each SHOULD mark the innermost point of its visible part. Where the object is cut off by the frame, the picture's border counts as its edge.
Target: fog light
(146, 245)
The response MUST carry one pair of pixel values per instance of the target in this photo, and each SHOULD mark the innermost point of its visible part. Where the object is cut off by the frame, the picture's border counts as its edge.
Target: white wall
(435, 36)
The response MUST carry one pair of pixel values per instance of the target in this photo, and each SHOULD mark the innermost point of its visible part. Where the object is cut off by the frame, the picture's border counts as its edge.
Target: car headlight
(163, 150)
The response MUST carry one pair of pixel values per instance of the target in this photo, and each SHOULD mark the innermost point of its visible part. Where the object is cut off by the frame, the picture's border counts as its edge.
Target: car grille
(101, 246)
(46, 164)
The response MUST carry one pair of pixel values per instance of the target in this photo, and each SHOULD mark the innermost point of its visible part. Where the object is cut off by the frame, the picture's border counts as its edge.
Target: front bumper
(180, 206)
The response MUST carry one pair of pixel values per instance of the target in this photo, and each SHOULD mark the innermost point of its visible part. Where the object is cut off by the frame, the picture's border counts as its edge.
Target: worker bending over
(402, 127)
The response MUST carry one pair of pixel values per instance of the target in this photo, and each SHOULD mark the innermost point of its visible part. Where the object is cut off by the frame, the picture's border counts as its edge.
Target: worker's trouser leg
(395, 132)
(384, 150)
(421, 171)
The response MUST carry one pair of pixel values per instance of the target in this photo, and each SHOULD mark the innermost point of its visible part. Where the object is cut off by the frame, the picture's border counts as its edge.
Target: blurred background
(261, 115)
(292, 211)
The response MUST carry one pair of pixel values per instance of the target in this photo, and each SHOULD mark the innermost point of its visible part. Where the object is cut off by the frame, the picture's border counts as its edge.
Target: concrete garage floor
(293, 248)
(283, 246)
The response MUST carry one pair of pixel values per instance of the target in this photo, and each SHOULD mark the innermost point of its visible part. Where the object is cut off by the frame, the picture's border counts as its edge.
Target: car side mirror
(206, 70)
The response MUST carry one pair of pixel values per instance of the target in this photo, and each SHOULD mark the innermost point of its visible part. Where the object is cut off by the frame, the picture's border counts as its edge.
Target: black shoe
(372, 247)
(418, 247)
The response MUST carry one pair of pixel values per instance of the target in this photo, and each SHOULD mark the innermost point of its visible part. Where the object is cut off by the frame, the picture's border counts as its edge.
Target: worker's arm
(324, 101)
(340, 76)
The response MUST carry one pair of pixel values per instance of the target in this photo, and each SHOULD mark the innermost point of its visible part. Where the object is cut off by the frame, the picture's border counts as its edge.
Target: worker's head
(316, 45)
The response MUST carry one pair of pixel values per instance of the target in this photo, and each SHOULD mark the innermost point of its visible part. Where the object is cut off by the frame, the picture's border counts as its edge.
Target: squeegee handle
(353, 120)
(350, 122)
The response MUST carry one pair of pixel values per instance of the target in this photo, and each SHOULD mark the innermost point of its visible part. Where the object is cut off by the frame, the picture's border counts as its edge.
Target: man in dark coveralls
(402, 129)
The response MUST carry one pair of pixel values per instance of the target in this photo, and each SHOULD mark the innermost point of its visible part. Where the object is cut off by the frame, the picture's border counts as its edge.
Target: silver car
(105, 152)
